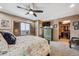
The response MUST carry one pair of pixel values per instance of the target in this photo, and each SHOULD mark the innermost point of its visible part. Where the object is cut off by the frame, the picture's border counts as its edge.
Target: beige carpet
(60, 48)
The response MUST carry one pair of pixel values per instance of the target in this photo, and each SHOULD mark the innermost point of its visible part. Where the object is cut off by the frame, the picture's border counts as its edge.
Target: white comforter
(29, 45)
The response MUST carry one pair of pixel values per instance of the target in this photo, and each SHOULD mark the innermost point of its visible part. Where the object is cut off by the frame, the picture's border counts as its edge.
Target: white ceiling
(51, 10)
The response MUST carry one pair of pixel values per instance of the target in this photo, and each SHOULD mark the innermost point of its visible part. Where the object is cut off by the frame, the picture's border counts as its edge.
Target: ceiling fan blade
(34, 14)
(38, 11)
(27, 13)
(22, 8)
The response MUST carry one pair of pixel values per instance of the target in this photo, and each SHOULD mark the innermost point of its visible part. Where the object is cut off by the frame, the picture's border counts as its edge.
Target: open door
(64, 30)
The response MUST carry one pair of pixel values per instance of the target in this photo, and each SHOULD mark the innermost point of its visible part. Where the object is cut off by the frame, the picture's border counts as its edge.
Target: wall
(38, 24)
(17, 19)
(72, 31)
(55, 30)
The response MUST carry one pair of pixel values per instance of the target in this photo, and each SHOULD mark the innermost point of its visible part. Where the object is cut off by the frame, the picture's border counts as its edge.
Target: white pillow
(3, 44)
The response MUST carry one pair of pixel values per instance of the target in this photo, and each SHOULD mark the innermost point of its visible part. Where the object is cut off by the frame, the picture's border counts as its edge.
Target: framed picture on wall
(55, 26)
(5, 24)
(76, 23)
(76, 27)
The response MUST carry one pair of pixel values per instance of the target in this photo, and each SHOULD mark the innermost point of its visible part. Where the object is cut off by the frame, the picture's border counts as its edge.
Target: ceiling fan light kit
(31, 10)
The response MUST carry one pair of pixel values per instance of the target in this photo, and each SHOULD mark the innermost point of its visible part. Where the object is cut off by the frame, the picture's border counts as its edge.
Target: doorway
(64, 30)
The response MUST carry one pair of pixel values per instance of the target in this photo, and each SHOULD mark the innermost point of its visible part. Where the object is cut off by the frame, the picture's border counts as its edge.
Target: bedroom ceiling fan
(31, 10)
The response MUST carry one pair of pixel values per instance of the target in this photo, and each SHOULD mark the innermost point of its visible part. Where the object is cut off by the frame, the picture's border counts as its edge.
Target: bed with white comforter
(25, 46)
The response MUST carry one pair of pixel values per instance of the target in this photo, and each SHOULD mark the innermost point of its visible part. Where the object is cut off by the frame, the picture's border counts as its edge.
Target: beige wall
(72, 31)
(55, 30)
(38, 24)
(17, 19)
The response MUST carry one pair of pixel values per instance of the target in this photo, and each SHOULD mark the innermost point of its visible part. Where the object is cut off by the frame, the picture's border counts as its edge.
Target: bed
(25, 46)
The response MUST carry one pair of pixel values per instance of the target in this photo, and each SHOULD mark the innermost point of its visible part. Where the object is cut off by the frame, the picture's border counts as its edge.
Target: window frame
(25, 27)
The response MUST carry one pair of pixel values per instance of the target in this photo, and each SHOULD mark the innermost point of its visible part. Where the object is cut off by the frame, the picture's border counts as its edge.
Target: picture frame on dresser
(5, 24)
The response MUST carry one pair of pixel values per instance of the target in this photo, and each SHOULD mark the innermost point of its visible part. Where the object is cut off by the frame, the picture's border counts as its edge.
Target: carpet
(59, 48)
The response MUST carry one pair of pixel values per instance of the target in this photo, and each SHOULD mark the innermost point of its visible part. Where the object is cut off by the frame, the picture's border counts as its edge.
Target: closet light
(66, 21)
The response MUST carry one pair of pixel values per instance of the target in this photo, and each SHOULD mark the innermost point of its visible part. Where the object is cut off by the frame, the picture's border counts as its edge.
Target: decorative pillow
(3, 44)
(10, 39)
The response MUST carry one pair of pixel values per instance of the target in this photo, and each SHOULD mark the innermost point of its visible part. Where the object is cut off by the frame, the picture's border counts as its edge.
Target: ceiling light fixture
(30, 12)
(1, 7)
(72, 5)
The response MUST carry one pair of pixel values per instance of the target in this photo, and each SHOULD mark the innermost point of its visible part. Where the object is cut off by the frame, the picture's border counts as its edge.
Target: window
(25, 28)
